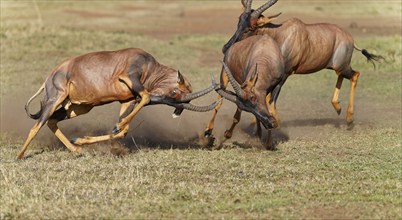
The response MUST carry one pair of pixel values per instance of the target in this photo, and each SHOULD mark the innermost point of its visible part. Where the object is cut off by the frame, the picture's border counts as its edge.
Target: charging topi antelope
(306, 48)
(253, 67)
(131, 76)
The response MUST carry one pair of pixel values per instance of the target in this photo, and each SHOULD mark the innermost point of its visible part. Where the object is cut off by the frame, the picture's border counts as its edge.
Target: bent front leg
(236, 120)
(126, 109)
(96, 139)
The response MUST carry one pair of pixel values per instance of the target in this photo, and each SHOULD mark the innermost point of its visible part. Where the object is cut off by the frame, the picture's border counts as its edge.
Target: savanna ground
(322, 168)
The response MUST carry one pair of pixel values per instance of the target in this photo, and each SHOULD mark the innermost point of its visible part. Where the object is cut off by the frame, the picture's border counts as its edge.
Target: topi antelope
(306, 48)
(254, 67)
(131, 76)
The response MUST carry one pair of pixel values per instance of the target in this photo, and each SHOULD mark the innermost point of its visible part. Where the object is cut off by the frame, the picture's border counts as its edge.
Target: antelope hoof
(116, 130)
(337, 107)
(20, 156)
(77, 141)
(210, 139)
(228, 134)
(270, 147)
(74, 140)
(349, 118)
(349, 121)
(78, 150)
(208, 133)
(258, 134)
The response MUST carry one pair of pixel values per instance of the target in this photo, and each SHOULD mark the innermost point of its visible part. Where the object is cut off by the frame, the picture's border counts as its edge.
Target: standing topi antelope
(254, 67)
(306, 48)
(131, 76)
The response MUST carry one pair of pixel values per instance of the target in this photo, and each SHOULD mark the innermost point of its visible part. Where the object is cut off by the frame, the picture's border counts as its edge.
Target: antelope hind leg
(48, 109)
(353, 84)
(335, 97)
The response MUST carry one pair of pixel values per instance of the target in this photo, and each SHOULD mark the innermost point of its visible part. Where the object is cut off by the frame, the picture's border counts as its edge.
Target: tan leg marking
(210, 125)
(353, 84)
(335, 97)
(272, 109)
(145, 99)
(122, 126)
(96, 139)
(236, 119)
(35, 129)
(121, 134)
(72, 111)
(32, 133)
(52, 124)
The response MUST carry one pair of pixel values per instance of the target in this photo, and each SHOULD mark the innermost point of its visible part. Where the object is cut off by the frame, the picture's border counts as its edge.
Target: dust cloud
(152, 127)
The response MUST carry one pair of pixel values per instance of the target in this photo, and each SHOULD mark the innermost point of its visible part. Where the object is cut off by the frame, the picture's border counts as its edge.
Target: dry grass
(356, 176)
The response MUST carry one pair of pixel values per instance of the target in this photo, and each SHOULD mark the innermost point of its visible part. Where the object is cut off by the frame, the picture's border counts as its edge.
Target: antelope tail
(39, 113)
(370, 57)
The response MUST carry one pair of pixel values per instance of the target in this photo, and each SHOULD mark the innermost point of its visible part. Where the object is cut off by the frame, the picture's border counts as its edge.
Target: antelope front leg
(236, 119)
(96, 139)
(272, 108)
(145, 99)
(121, 128)
(208, 137)
(269, 145)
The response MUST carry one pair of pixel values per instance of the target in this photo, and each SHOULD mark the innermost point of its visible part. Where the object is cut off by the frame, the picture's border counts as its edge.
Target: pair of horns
(260, 10)
(188, 97)
(236, 86)
(195, 108)
(194, 95)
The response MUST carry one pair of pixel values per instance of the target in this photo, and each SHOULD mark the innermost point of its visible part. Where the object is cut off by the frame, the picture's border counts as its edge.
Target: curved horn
(243, 3)
(247, 5)
(261, 9)
(195, 108)
(191, 96)
(227, 95)
(236, 86)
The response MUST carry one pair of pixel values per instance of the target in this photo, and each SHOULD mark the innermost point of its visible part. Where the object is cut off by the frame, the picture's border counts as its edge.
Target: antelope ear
(180, 78)
(254, 77)
(265, 20)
